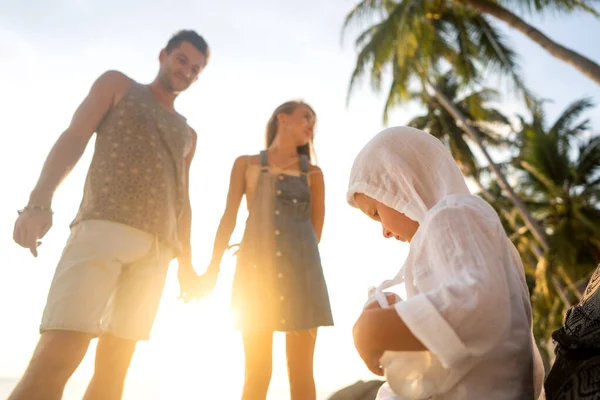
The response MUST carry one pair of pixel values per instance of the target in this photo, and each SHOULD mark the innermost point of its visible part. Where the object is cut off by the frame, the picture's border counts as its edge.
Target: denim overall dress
(278, 283)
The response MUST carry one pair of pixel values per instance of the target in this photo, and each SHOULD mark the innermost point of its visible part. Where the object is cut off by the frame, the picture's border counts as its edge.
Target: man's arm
(185, 226)
(69, 147)
(36, 220)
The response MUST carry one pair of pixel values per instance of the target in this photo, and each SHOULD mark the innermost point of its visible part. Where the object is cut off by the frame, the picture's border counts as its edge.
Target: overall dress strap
(304, 163)
(264, 161)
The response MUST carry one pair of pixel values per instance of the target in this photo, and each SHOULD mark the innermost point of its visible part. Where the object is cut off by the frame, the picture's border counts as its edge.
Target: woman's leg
(258, 350)
(300, 349)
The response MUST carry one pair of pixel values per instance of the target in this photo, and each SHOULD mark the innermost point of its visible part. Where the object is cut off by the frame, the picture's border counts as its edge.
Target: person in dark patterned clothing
(575, 374)
(135, 217)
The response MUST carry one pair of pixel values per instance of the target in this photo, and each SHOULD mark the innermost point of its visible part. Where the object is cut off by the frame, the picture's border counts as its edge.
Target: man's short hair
(193, 38)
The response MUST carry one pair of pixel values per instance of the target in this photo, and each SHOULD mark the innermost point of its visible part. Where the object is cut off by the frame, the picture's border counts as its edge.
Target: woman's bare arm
(237, 187)
(317, 190)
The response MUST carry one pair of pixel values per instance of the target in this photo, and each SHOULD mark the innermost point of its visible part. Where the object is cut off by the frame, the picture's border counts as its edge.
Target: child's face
(394, 223)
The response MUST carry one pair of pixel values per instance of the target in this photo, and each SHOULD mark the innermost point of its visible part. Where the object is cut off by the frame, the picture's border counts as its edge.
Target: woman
(467, 312)
(278, 283)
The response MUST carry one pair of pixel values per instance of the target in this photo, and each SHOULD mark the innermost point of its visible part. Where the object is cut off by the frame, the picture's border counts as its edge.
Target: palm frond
(364, 12)
(495, 54)
(588, 164)
(551, 6)
(570, 115)
(539, 176)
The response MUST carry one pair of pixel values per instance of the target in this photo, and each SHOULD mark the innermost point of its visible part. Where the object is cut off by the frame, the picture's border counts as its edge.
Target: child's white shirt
(467, 299)
(468, 303)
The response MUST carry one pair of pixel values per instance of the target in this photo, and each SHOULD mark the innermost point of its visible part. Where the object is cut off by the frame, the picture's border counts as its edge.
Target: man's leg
(56, 357)
(113, 356)
(128, 318)
(85, 280)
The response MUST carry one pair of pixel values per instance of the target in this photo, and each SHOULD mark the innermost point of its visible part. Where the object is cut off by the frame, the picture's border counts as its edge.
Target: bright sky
(263, 53)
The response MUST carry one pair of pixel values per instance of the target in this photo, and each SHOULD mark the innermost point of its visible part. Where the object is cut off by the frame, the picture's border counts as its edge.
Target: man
(135, 217)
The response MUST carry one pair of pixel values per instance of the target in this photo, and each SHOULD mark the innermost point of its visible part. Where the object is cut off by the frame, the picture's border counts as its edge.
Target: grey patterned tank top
(136, 176)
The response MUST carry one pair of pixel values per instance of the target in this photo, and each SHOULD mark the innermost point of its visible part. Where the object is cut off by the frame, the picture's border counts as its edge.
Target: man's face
(181, 67)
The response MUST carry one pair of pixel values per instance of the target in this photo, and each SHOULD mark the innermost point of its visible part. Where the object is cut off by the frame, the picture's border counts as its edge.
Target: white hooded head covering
(406, 169)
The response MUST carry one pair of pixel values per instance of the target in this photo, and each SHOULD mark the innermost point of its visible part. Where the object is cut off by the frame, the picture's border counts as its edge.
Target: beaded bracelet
(35, 208)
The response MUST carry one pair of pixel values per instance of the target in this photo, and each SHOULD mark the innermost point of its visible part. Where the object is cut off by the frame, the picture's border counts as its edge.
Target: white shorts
(110, 279)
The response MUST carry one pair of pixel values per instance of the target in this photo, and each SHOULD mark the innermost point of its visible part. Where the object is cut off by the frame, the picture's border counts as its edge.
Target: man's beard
(168, 85)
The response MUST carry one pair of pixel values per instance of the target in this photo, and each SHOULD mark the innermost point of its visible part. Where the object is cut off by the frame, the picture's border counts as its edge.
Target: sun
(194, 349)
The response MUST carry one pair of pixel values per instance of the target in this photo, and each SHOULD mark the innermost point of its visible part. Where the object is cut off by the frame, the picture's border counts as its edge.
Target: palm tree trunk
(462, 122)
(582, 63)
(535, 248)
(560, 291)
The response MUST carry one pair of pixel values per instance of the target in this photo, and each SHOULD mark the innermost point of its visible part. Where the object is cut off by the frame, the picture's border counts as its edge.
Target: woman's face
(299, 124)
(394, 223)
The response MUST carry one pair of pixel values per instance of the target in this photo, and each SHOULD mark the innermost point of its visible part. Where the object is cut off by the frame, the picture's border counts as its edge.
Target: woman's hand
(207, 281)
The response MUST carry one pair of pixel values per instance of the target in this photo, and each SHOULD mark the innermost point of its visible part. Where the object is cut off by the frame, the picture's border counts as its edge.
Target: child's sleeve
(468, 313)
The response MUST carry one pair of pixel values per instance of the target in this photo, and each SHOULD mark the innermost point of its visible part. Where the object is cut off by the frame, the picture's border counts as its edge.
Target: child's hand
(391, 298)
(365, 338)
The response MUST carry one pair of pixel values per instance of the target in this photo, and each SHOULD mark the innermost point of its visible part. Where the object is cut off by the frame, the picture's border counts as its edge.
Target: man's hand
(187, 277)
(31, 226)
(204, 284)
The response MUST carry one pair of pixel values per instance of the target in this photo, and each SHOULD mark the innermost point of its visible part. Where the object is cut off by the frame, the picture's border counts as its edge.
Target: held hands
(194, 287)
(187, 277)
(31, 226)
(365, 334)
(207, 281)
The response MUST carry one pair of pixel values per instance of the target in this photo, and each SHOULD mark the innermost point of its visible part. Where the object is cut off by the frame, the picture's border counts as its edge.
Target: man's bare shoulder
(193, 133)
(113, 82)
(115, 78)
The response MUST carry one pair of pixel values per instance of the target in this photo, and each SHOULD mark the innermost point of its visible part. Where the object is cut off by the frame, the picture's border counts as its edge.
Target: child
(467, 305)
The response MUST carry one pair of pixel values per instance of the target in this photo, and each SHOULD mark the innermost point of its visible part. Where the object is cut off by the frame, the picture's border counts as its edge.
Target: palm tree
(495, 8)
(487, 121)
(561, 185)
(415, 39)
(474, 106)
